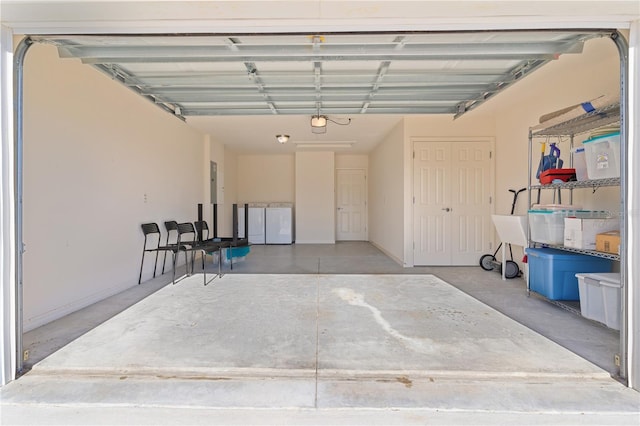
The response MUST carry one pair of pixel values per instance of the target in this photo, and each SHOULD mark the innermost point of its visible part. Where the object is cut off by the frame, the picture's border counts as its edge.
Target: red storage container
(565, 175)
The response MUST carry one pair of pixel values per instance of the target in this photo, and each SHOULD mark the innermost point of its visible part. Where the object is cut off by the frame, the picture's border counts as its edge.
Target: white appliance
(256, 223)
(279, 226)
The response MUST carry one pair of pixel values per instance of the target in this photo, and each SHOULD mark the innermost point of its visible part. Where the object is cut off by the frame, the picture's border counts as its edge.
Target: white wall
(215, 151)
(99, 161)
(352, 161)
(266, 178)
(315, 198)
(386, 194)
(567, 81)
(230, 188)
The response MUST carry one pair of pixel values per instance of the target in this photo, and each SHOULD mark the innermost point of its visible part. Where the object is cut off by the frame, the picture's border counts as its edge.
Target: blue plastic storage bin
(552, 273)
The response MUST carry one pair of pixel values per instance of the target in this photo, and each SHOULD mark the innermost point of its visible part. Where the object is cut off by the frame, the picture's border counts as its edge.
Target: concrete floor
(318, 334)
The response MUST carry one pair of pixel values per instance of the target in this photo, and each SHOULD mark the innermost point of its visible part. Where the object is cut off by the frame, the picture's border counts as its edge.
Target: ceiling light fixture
(319, 122)
(282, 138)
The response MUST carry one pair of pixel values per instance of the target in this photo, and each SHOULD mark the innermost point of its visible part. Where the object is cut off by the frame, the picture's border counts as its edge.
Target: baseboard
(61, 311)
(393, 257)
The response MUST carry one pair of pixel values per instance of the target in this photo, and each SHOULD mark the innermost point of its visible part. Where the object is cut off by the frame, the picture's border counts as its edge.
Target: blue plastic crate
(552, 273)
(236, 252)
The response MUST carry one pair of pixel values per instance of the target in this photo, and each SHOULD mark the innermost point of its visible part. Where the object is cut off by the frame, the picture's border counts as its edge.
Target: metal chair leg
(141, 263)
(155, 265)
(164, 260)
(174, 267)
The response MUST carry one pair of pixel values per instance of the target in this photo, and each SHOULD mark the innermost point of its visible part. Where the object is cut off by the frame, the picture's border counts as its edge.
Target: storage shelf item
(548, 226)
(600, 117)
(553, 272)
(602, 155)
(593, 253)
(596, 122)
(593, 183)
(600, 298)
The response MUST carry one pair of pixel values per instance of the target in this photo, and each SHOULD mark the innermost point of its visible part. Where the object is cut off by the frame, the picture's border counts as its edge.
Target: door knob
(447, 209)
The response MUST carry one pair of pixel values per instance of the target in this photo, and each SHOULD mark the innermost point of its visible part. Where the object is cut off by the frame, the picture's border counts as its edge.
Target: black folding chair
(202, 232)
(187, 240)
(149, 229)
(170, 225)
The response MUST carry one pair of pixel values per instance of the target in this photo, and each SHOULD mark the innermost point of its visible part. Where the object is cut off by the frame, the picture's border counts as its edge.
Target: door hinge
(490, 155)
(414, 155)
(490, 199)
(414, 200)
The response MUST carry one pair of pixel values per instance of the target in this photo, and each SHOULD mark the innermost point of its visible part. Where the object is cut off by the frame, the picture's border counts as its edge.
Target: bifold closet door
(452, 202)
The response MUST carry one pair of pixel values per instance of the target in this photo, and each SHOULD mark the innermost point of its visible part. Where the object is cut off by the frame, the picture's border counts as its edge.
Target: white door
(452, 202)
(351, 204)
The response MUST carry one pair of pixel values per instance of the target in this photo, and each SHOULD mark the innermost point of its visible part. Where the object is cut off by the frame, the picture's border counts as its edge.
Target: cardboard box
(581, 233)
(608, 242)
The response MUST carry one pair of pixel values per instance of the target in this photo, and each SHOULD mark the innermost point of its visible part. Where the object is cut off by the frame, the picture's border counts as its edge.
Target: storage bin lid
(556, 207)
(582, 214)
(549, 252)
(593, 139)
(609, 279)
(564, 212)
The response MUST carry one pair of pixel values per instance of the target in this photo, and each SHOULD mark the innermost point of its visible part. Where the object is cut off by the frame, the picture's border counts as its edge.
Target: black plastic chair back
(202, 229)
(184, 229)
(169, 225)
(150, 228)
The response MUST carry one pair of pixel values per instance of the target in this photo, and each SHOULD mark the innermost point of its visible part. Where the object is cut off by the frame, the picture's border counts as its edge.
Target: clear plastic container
(547, 226)
(600, 297)
(580, 163)
(602, 155)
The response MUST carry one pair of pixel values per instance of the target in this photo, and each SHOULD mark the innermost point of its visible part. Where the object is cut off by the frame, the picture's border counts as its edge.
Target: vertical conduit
(18, 73)
(623, 50)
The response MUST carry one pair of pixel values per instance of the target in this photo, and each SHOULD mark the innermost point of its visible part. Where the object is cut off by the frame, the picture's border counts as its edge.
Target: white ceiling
(257, 133)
